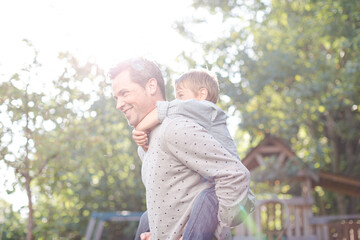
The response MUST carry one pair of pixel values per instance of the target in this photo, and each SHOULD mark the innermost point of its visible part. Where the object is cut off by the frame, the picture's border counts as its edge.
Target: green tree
(30, 116)
(11, 224)
(98, 169)
(101, 172)
(291, 69)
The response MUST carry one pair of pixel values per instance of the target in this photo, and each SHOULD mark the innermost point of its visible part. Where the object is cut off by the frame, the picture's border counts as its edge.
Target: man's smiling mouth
(126, 111)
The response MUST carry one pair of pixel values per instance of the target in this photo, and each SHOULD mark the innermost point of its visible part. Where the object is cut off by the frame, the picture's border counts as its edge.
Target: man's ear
(151, 86)
(202, 94)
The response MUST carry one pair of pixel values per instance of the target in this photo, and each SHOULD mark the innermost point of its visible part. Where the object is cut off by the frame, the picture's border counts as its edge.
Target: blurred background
(289, 69)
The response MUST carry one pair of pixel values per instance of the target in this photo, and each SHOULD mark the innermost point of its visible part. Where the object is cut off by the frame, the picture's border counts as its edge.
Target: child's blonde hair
(197, 79)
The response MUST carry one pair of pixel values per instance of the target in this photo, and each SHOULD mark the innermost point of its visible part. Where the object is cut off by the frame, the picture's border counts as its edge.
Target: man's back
(171, 187)
(181, 154)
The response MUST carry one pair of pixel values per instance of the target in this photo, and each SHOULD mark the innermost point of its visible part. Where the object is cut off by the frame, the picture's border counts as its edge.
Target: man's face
(131, 98)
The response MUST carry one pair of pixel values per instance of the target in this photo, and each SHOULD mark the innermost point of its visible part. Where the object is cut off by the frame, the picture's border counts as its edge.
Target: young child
(197, 93)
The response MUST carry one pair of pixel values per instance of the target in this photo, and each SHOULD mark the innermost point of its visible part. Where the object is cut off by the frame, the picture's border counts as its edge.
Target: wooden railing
(337, 227)
(275, 219)
(292, 220)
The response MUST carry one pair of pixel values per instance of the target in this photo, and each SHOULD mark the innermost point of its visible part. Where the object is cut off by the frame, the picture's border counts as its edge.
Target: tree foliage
(291, 69)
(12, 226)
(75, 154)
(29, 115)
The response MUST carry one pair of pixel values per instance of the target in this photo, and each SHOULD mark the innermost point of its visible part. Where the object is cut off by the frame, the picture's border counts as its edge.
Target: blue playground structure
(98, 219)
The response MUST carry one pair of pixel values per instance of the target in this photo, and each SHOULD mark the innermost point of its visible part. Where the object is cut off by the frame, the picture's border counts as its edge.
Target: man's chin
(131, 123)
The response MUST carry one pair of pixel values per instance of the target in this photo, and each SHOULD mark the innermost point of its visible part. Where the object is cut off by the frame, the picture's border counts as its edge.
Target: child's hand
(140, 138)
(145, 236)
(145, 148)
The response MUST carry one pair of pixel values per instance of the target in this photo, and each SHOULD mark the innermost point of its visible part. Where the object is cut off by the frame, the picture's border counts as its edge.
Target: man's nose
(119, 104)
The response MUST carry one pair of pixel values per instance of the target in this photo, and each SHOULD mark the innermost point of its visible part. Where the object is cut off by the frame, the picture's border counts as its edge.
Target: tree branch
(45, 163)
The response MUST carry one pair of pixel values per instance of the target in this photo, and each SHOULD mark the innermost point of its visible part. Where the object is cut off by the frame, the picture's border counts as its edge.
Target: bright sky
(104, 30)
(107, 30)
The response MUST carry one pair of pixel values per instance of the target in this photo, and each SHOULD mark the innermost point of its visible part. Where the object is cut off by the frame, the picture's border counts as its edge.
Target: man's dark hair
(140, 70)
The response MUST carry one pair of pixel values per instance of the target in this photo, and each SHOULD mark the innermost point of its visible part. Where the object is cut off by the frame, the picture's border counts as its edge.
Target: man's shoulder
(178, 124)
(175, 130)
(192, 102)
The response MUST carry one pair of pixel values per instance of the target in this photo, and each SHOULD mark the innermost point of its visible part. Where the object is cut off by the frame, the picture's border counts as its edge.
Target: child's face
(183, 93)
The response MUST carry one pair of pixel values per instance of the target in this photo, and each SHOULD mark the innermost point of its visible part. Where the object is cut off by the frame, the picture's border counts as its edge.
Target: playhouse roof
(271, 145)
(274, 146)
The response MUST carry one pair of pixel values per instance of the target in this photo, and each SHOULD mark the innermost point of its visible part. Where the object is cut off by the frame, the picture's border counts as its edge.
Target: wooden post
(297, 222)
(306, 215)
(258, 230)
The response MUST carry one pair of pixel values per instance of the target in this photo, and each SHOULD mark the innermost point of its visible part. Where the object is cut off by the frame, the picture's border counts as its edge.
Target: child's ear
(151, 86)
(202, 94)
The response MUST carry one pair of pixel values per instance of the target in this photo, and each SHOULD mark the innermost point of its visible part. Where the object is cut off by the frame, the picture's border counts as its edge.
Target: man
(181, 155)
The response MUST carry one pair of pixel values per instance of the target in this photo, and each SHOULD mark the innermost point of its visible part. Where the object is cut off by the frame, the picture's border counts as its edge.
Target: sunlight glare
(100, 31)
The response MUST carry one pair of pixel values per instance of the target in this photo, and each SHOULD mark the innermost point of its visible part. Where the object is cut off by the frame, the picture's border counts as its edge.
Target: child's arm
(149, 121)
(139, 134)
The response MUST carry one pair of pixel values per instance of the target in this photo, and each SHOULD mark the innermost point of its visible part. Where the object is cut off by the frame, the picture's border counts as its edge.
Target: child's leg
(143, 225)
(203, 218)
